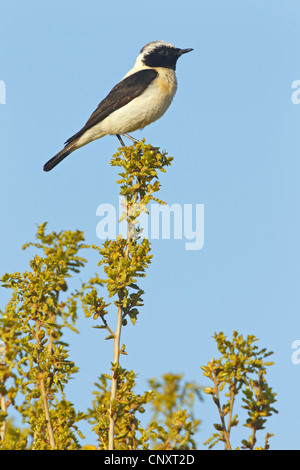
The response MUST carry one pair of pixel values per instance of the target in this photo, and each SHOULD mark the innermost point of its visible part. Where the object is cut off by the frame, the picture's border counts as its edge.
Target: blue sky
(234, 134)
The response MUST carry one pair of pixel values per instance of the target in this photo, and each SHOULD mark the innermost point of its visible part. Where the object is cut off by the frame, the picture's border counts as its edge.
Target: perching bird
(141, 97)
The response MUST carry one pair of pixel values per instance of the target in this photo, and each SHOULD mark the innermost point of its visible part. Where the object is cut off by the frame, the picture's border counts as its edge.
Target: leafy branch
(241, 368)
(31, 328)
(125, 260)
(34, 359)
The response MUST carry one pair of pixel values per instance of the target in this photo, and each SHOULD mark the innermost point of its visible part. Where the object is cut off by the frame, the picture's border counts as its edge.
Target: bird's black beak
(184, 51)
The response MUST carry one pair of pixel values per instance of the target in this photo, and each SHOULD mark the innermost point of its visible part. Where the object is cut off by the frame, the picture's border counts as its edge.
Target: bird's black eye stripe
(162, 56)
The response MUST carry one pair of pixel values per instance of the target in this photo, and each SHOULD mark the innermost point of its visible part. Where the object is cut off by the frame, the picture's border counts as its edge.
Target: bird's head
(160, 54)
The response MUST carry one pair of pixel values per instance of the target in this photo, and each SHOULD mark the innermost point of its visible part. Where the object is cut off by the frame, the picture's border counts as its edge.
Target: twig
(114, 382)
(268, 435)
(232, 395)
(117, 336)
(217, 401)
(43, 392)
(253, 438)
(3, 425)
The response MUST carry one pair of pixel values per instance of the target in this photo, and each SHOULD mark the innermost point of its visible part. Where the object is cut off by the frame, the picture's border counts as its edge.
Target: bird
(140, 98)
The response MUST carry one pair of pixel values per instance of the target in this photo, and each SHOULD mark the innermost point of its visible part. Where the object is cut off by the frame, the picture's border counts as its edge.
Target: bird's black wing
(124, 92)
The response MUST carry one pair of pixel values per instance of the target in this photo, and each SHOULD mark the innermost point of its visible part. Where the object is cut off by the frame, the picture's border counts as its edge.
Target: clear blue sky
(234, 134)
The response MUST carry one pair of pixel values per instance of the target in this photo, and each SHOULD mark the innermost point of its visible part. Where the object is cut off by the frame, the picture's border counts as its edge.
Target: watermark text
(2, 92)
(178, 222)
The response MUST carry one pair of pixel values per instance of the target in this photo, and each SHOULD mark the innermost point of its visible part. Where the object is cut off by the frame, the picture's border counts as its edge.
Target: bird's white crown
(151, 46)
(148, 48)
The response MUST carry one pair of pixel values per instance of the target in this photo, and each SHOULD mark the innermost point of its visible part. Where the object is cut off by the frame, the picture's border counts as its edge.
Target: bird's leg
(120, 139)
(129, 137)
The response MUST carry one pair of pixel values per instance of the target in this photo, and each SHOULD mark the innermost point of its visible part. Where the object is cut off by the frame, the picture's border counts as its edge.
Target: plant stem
(253, 439)
(267, 441)
(47, 414)
(225, 432)
(3, 409)
(117, 336)
(41, 383)
(232, 395)
(114, 382)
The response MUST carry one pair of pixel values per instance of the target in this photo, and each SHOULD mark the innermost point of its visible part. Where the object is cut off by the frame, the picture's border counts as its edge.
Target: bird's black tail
(58, 158)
